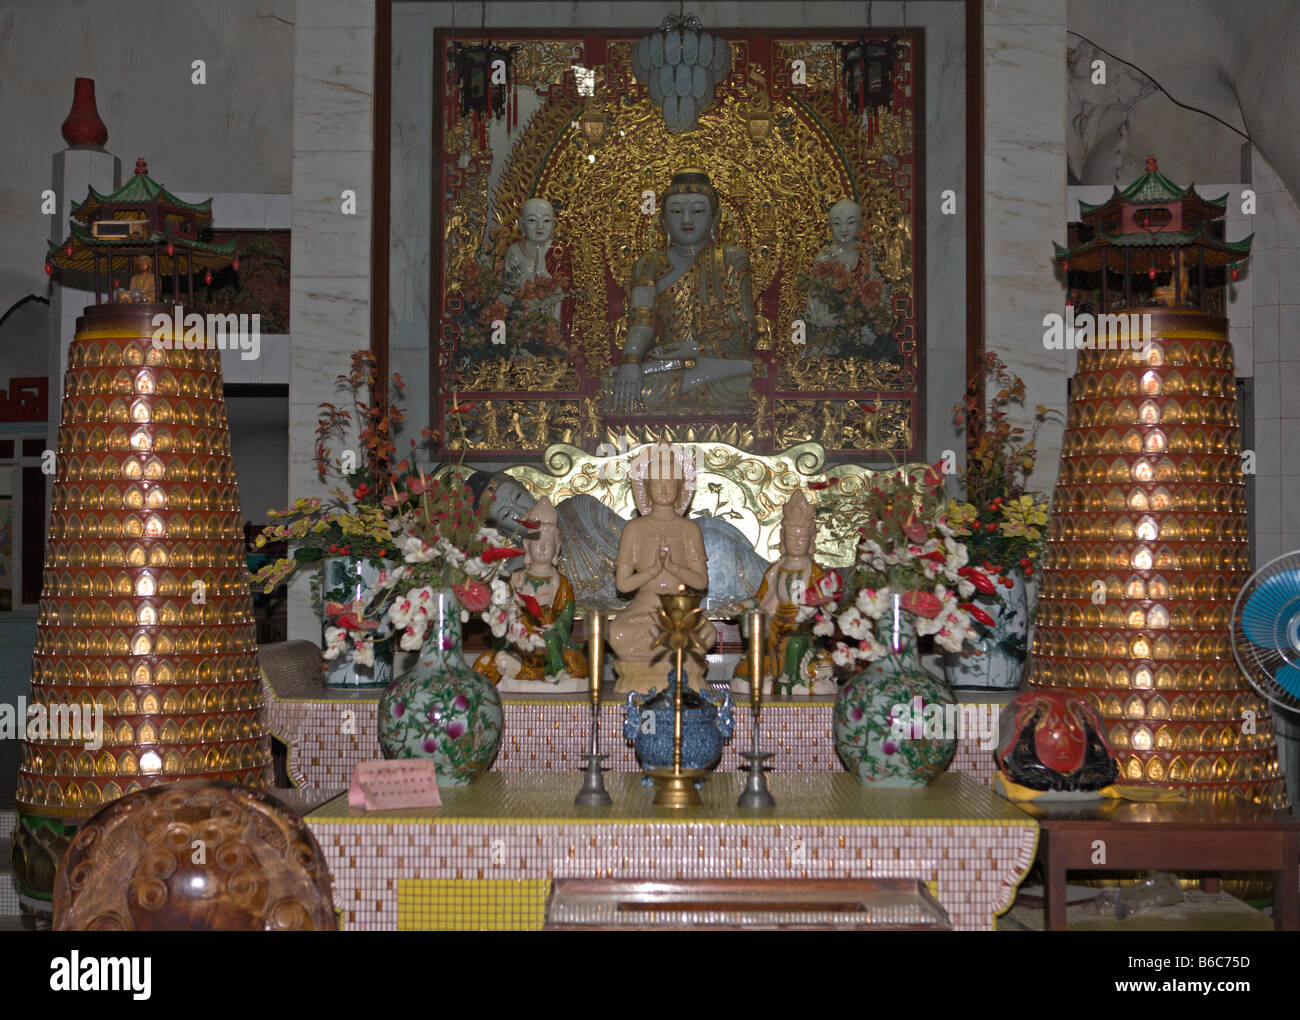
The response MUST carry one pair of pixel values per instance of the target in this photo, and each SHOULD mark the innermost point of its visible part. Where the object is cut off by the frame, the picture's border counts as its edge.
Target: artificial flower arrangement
(531, 327)
(444, 542)
(353, 522)
(421, 533)
(999, 520)
(908, 549)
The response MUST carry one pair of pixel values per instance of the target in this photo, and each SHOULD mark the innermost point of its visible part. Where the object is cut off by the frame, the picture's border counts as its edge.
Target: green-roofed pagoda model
(142, 234)
(1154, 228)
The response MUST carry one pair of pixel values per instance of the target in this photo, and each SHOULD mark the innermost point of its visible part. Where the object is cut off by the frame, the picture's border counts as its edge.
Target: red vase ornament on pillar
(83, 126)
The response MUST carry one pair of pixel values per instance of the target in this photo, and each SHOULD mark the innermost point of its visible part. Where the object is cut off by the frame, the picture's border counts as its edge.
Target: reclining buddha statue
(590, 534)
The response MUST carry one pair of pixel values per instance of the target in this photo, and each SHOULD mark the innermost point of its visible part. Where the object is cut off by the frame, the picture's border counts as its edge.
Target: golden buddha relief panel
(778, 155)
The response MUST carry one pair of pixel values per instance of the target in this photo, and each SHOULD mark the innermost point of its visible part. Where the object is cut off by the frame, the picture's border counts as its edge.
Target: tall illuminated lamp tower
(1149, 542)
(145, 609)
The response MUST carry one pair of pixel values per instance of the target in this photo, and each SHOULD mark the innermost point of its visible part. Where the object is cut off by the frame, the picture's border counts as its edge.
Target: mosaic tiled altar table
(485, 859)
(328, 731)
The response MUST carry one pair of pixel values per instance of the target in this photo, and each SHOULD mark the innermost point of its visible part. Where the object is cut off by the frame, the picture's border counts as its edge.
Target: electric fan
(1266, 630)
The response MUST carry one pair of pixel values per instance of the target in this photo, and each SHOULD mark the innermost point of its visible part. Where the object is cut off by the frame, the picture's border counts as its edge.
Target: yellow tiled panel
(436, 904)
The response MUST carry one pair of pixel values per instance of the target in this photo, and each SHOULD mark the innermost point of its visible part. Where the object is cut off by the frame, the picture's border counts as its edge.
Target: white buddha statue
(660, 552)
(525, 260)
(845, 223)
(691, 324)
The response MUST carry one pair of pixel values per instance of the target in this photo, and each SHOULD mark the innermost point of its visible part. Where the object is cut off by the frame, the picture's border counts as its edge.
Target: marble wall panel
(326, 240)
(336, 14)
(332, 113)
(1025, 205)
(330, 289)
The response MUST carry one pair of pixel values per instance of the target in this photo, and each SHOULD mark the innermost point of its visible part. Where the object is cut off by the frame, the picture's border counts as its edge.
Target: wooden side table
(1127, 836)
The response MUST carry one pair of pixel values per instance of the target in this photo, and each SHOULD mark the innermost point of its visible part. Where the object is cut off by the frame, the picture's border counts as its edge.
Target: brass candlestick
(679, 617)
(756, 794)
(593, 792)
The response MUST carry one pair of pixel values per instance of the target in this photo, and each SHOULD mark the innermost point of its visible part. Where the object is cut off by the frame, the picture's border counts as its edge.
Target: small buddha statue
(848, 251)
(544, 657)
(143, 287)
(691, 324)
(1168, 294)
(845, 222)
(525, 260)
(660, 552)
(791, 658)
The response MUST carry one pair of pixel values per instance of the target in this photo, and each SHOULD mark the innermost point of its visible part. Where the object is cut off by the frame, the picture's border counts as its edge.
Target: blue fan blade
(1270, 609)
(1288, 678)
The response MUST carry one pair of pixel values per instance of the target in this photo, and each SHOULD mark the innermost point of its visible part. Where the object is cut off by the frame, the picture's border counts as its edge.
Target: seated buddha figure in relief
(691, 324)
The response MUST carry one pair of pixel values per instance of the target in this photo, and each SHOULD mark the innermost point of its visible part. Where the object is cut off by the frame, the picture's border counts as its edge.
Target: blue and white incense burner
(706, 723)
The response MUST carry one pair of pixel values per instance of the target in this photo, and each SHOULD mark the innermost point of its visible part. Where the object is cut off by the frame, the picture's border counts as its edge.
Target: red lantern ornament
(171, 248)
(116, 282)
(68, 249)
(235, 264)
(1236, 273)
(1151, 273)
(49, 269)
(207, 276)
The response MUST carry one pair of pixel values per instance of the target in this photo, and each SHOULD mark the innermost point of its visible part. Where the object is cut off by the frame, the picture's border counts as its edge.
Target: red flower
(981, 581)
(818, 486)
(361, 491)
(465, 408)
(349, 621)
(933, 475)
(922, 603)
(499, 552)
(473, 595)
(530, 525)
(916, 531)
(937, 556)
(531, 605)
(976, 613)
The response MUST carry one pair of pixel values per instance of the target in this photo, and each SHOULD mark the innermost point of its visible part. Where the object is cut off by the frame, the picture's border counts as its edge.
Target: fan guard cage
(1269, 604)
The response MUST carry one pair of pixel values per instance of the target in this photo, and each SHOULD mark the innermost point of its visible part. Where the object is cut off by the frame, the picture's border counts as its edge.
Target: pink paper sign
(394, 785)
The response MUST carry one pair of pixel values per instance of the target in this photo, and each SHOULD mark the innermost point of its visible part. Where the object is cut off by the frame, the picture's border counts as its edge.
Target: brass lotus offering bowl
(678, 621)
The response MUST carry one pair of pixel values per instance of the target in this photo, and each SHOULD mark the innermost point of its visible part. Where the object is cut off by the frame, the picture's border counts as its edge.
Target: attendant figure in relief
(849, 251)
(525, 260)
(791, 656)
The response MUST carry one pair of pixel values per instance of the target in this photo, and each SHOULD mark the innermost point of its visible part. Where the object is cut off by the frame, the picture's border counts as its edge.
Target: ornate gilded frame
(846, 405)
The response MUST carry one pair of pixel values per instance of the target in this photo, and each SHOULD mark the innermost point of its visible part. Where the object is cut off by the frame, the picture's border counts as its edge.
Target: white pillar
(333, 144)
